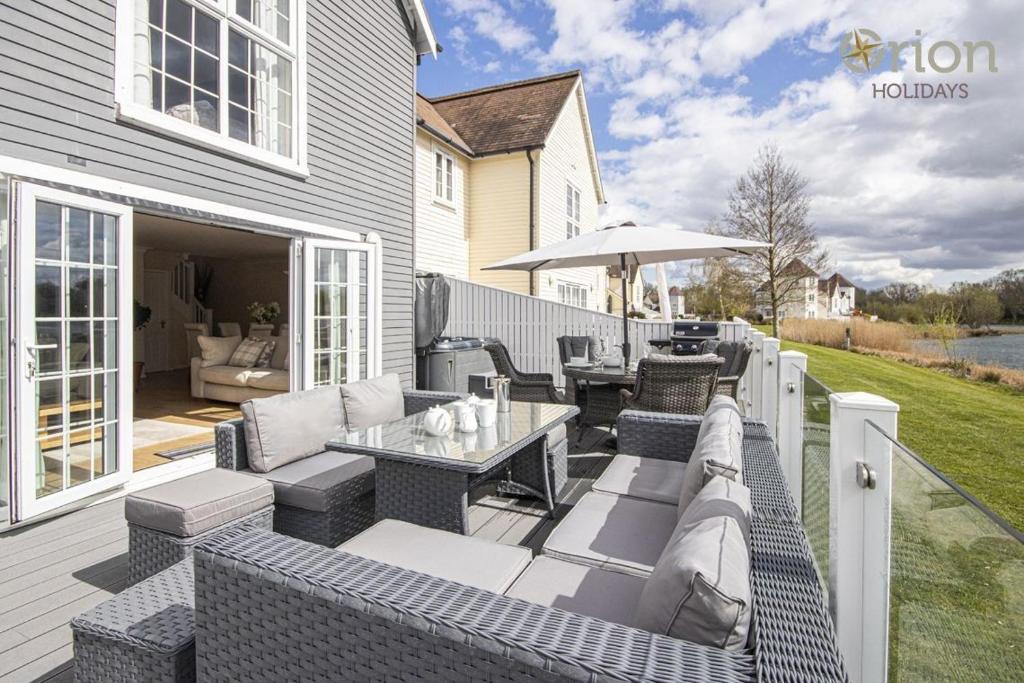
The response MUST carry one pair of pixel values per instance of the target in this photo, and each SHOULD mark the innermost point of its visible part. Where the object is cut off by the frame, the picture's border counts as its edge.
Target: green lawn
(971, 431)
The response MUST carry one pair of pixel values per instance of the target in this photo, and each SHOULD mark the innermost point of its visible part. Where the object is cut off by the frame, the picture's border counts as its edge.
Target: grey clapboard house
(193, 124)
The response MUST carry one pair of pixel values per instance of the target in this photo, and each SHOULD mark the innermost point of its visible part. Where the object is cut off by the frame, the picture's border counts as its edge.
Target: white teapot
(437, 421)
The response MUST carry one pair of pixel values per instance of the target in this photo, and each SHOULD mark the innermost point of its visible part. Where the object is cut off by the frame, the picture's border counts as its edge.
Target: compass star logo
(861, 50)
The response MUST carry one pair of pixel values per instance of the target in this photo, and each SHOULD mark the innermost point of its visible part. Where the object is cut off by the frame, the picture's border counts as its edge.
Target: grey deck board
(56, 569)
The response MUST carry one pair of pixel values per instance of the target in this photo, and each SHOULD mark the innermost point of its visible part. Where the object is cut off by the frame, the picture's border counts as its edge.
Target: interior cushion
(269, 344)
(592, 592)
(268, 378)
(616, 533)
(309, 483)
(718, 452)
(700, 588)
(370, 402)
(248, 353)
(280, 354)
(191, 505)
(217, 350)
(287, 427)
(476, 562)
(225, 374)
(647, 478)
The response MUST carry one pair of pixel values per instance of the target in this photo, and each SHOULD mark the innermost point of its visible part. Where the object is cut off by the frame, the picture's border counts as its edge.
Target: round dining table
(602, 385)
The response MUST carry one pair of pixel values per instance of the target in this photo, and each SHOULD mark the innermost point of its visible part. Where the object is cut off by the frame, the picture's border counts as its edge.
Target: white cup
(486, 412)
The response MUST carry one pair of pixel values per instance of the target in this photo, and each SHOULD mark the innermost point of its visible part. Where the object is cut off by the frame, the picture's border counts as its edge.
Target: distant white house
(811, 297)
(503, 170)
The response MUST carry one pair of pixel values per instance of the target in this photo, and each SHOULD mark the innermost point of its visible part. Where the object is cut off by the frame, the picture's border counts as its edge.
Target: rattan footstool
(144, 633)
(165, 522)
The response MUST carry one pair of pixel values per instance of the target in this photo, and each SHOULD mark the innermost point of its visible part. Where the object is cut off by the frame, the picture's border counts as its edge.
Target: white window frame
(441, 154)
(140, 115)
(572, 294)
(572, 213)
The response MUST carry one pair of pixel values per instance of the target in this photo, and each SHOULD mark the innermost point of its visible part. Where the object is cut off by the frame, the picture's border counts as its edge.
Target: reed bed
(880, 336)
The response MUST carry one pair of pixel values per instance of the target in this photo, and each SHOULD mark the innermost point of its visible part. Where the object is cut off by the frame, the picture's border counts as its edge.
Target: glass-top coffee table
(426, 479)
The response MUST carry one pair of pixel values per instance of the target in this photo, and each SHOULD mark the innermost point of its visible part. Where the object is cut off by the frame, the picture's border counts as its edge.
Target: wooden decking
(54, 570)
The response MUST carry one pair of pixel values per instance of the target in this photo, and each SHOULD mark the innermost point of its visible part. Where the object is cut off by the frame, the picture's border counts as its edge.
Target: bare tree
(769, 204)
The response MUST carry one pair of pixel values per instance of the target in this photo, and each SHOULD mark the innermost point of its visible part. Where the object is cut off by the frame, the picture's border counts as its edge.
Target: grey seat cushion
(312, 482)
(470, 561)
(616, 533)
(700, 589)
(718, 451)
(593, 592)
(647, 478)
(191, 505)
(288, 427)
(370, 402)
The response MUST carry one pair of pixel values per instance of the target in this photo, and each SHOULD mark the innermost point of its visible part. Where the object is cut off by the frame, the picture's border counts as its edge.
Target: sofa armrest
(230, 444)
(196, 385)
(249, 582)
(416, 401)
(664, 436)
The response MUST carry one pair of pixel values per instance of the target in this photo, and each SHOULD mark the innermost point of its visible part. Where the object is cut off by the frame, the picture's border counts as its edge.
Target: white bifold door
(71, 366)
(339, 341)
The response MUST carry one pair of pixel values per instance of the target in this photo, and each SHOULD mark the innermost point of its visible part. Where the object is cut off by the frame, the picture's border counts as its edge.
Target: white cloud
(917, 190)
(491, 20)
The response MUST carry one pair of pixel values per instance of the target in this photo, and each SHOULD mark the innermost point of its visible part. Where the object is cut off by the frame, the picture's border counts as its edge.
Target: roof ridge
(503, 86)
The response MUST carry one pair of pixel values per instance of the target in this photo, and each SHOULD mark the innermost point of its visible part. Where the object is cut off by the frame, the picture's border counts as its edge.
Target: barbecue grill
(688, 336)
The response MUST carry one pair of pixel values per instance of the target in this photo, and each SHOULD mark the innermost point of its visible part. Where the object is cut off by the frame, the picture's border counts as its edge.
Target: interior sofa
(322, 497)
(687, 562)
(212, 376)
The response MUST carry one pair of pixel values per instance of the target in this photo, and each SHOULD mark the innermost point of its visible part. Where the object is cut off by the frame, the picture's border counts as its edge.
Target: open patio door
(339, 342)
(71, 366)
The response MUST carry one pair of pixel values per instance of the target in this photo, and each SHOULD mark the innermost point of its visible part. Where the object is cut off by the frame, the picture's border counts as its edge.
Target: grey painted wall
(57, 99)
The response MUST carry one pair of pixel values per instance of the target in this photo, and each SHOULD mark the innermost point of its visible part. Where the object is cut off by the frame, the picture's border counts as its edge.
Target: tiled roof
(428, 117)
(501, 118)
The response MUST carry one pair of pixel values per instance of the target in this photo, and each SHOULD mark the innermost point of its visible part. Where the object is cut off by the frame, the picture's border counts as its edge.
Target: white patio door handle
(30, 366)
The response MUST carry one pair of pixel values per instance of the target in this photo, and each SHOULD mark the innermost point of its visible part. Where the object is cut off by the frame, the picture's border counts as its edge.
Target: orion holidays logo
(863, 51)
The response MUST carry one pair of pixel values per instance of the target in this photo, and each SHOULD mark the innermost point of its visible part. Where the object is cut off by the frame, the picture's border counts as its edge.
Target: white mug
(486, 412)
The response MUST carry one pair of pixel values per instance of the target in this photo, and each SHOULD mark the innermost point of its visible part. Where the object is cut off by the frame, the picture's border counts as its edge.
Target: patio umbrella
(624, 245)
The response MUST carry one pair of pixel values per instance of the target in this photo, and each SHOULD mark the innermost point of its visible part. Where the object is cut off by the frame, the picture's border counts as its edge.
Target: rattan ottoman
(144, 633)
(165, 522)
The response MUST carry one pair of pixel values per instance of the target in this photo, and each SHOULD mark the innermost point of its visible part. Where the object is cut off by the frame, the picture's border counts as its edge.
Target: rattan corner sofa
(321, 497)
(270, 606)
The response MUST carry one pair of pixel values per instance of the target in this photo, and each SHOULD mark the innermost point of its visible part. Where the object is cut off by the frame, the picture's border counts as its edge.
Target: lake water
(1006, 350)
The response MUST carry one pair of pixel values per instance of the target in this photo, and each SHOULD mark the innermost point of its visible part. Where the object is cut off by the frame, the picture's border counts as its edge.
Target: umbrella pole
(625, 311)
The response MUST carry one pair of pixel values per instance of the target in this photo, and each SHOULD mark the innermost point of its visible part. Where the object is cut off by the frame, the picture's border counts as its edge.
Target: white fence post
(792, 367)
(755, 407)
(860, 492)
(770, 386)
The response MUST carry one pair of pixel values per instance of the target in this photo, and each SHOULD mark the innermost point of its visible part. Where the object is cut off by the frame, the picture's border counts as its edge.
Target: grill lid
(690, 329)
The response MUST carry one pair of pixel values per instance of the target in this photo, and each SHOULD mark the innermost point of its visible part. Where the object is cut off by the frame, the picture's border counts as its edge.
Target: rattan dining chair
(735, 356)
(536, 387)
(674, 384)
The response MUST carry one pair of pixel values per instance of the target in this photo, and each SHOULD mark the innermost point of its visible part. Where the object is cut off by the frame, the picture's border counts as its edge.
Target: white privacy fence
(529, 326)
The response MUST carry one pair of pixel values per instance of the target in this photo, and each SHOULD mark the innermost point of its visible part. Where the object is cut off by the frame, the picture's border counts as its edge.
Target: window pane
(207, 33)
(238, 91)
(179, 19)
(178, 100)
(47, 291)
(207, 72)
(47, 230)
(238, 50)
(238, 123)
(178, 59)
(270, 16)
(207, 110)
(156, 49)
(156, 12)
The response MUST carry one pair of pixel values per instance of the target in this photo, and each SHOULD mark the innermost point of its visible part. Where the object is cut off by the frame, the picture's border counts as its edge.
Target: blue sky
(682, 93)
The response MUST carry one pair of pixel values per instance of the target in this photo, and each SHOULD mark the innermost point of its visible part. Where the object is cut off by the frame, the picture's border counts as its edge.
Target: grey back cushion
(700, 588)
(718, 450)
(721, 497)
(370, 402)
(288, 427)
